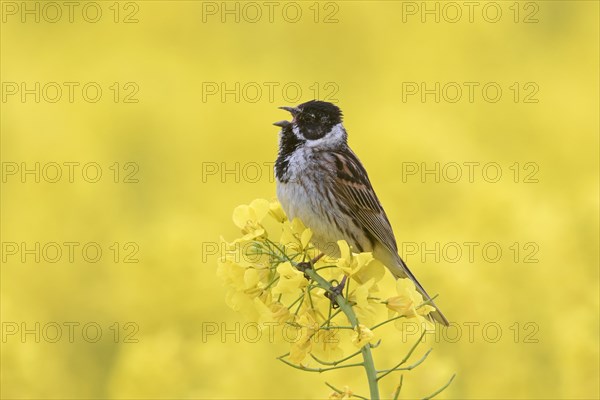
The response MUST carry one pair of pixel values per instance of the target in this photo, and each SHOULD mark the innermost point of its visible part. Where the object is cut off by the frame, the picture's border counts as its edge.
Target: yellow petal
(297, 226)
(371, 269)
(290, 279)
(299, 350)
(280, 313)
(291, 234)
(405, 286)
(231, 273)
(326, 345)
(305, 238)
(263, 311)
(362, 335)
(242, 215)
(261, 208)
(251, 278)
(344, 250)
(402, 304)
(276, 211)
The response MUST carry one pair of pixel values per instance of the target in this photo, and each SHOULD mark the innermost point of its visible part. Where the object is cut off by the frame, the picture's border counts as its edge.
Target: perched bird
(322, 182)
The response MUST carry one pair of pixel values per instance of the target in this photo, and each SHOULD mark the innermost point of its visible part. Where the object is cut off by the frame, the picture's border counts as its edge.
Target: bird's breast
(307, 193)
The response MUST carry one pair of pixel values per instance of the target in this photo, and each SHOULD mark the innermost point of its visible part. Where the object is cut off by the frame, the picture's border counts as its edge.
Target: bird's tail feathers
(402, 271)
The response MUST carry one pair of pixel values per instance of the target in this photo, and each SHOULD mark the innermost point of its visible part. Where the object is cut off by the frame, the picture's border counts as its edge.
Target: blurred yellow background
(172, 102)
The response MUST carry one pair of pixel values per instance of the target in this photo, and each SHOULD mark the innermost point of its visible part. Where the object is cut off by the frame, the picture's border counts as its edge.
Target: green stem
(398, 388)
(412, 366)
(431, 396)
(346, 308)
(334, 363)
(319, 370)
(338, 391)
(405, 358)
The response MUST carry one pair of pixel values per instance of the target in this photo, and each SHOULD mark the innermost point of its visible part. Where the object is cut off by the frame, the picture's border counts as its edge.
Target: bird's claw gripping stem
(335, 291)
(306, 265)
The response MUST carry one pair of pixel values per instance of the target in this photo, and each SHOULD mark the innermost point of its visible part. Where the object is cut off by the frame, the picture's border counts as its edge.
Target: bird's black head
(313, 120)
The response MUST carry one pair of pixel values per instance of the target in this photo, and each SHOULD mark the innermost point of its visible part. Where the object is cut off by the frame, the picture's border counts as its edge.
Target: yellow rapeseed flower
(303, 345)
(276, 211)
(362, 335)
(291, 281)
(249, 217)
(326, 344)
(264, 283)
(406, 303)
(408, 300)
(362, 267)
(295, 236)
(343, 394)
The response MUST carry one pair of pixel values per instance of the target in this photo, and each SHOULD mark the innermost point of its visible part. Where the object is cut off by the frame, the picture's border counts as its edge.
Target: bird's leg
(303, 266)
(317, 258)
(334, 291)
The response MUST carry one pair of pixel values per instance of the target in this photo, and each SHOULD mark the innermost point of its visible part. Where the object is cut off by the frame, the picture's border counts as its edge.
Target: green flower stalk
(273, 275)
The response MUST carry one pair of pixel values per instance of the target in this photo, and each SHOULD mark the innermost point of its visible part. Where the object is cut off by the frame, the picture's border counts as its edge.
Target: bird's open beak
(282, 124)
(293, 110)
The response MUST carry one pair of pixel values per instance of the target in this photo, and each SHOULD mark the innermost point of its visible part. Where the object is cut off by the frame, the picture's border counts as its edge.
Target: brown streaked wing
(351, 183)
